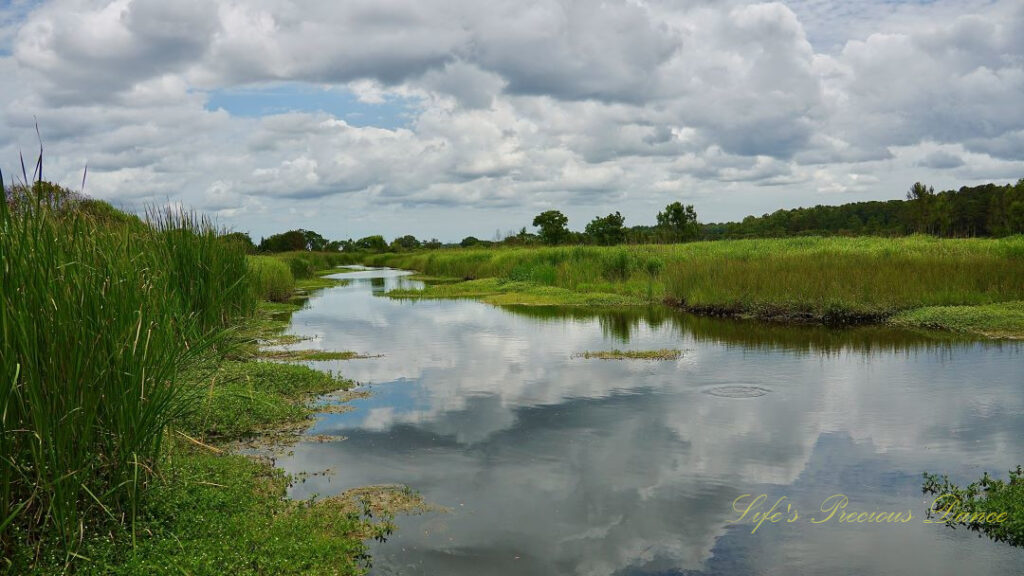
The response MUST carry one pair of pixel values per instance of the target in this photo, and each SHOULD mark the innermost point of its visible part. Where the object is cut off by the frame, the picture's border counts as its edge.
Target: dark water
(551, 464)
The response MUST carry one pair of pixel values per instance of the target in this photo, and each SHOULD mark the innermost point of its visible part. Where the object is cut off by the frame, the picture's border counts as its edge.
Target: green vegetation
(128, 359)
(607, 231)
(989, 506)
(827, 280)
(616, 354)
(987, 210)
(501, 292)
(1004, 320)
(553, 227)
(220, 513)
(982, 211)
(240, 399)
(96, 321)
(311, 355)
(273, 278)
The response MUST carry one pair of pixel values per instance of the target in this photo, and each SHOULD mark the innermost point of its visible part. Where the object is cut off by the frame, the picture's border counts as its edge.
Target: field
(826, 280)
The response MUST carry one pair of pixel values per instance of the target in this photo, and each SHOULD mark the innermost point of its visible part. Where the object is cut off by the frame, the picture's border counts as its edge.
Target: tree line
(987, 210)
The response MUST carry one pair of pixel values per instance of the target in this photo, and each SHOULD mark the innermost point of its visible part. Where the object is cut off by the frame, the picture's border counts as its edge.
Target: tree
(314, 241)
(553, 226)
(921, 198)
(679, 221)
(469, 241)
(291, 241)
(607, 231)
(294, 241)
(375, 243)
(242, 239)
(407, 242)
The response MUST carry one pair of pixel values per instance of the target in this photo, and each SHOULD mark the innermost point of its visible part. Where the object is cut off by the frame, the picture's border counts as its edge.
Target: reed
(836, 280)
(97, 317)
(272, 278)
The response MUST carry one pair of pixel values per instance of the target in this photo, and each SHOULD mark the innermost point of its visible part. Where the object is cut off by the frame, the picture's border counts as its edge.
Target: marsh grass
(272, 278)
(97, 318)
(312, 355)
(831, 280)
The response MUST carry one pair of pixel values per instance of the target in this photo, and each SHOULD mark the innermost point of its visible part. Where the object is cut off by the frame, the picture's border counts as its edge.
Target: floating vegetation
(663, 354)
(313, 355)
(385, 499)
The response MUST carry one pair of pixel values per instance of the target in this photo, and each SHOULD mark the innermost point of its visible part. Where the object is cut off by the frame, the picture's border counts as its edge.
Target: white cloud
(580, 105)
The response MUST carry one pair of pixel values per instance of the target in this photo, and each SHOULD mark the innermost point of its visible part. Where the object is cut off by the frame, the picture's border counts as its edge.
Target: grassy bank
(98, 319)
(211, 511)
(129, 360)
(828, 280)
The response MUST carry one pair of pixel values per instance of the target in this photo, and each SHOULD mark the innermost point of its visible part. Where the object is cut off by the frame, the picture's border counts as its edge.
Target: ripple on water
(737, 391)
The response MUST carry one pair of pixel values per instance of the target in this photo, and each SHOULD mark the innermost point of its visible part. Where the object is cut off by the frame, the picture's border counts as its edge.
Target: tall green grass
(272, 278)
(831, 279)
(305, 265)
(97, 316)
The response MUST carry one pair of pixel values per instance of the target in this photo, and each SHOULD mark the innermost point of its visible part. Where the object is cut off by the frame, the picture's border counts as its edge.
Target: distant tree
(921, 199)
(679, 222)
(291, 241)
(432, 244)
(469, 241)
(607, 231)
(407, 242)
(553, 227)
(374, 243)
(314, 241)
(522, 238)
(242, 239)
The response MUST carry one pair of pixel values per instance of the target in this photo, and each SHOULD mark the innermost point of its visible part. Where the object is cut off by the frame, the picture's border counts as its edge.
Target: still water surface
(551, 464)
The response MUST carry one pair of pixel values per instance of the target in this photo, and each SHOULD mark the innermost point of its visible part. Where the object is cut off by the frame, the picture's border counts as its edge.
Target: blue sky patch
(258, 101)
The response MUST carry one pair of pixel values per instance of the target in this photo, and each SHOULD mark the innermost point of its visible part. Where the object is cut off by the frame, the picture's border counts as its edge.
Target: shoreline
(966, 286)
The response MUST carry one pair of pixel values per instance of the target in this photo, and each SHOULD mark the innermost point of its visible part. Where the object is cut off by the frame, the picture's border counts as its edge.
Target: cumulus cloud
(508, 108)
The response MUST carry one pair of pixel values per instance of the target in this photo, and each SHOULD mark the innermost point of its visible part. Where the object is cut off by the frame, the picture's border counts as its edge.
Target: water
(550, 464)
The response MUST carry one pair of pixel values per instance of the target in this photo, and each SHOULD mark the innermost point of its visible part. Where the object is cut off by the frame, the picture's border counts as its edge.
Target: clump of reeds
(272, 278)
(97, 316)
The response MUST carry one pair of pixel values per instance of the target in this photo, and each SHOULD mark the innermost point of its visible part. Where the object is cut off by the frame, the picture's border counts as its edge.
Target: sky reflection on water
(552, 464)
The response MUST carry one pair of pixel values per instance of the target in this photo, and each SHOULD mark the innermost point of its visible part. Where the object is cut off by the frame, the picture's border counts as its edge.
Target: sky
(450, 118)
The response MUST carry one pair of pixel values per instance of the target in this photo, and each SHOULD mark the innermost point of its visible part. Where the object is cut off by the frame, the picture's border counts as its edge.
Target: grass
(238, 400)
(127, 361)
(663, 354)
(227, 514)
(97, 319)
(499, 292)
(312, 355)
(1004, 320)
(273, 278)
(318, 282)
(822, 280)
